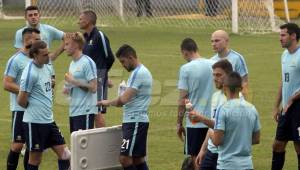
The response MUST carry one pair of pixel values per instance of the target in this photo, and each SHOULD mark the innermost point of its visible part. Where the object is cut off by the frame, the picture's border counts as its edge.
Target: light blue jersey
(83, 102)
(48, 34)
(217, 100)
(290, 64)
(196, 78)
(237, 61)
(14, 69)
(37, 82)
(136, 110)
(239, 120)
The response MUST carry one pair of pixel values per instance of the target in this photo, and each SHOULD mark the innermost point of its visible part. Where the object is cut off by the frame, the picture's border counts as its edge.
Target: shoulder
(215, 57)
(235, 55)
(87, 60)
(19, 31)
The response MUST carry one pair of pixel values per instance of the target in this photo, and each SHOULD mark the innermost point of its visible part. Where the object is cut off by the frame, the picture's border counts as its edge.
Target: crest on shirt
(78, 69)
(37, 146)
(91, 42)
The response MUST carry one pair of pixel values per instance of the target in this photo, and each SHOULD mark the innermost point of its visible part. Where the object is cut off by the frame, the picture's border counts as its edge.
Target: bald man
(220, 44)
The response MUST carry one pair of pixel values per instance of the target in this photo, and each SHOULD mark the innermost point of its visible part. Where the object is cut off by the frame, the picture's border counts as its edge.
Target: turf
(158, 49)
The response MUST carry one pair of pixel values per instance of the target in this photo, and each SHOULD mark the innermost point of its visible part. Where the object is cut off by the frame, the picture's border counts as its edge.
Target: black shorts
(134, 142)
(194, 139)
(17, 129)
(82, 122)
(102, 87)
(39, 137)
(288, 127)
(209, 162)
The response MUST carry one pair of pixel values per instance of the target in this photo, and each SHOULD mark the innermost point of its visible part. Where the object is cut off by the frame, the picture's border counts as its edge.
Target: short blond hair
(77, 37)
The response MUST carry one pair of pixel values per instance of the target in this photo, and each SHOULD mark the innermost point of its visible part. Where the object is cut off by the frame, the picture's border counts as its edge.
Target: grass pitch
(158, 49)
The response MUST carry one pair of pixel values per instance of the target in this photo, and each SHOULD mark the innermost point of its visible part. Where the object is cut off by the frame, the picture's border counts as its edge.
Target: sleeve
(220, 119)
(241, 66)
(18, 39)
(183, 79)
(11, 69)
(56, 34)
(28, 79)
(110, 57)
(90, 70)
(136, 80)
(257, 125)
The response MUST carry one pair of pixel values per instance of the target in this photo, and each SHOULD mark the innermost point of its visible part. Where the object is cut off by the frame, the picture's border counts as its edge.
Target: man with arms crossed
(35, 95)
(11, 83)
(97, 47)
(287, 115)
(236, 129)
(195, 84)
(135, 101)
(81, 84)
(220, 44)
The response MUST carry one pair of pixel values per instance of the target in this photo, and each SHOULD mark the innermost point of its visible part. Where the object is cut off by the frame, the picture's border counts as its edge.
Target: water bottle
(122, 88)
(189, 108)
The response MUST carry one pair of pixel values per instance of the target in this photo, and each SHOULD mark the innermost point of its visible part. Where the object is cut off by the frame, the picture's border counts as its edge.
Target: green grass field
(158, 49)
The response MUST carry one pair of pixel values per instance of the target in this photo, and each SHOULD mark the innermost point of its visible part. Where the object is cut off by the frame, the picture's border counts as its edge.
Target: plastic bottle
(122, 88)
(189, 109)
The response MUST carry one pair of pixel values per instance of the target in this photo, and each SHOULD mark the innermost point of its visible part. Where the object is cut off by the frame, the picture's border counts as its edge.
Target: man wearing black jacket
(97, 47)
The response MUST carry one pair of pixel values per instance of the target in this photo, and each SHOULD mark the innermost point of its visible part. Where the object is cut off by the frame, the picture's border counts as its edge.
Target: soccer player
(48, 34)
(135, 101)
(35, 95)
(236, 129)
(287, 115)
(11, 83)
(82, 84)
(97, 47)
(220, 44)
(208, 155)
(195, 84)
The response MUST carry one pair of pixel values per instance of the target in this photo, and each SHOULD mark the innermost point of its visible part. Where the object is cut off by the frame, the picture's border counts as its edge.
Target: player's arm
(276, 110)
(216, 136)
(183, 96)
(53, 56)
(198, 117)
(89, 86)
(10, 85)
(22, 99)
(203, 150)
(121, 100)
(256, 138)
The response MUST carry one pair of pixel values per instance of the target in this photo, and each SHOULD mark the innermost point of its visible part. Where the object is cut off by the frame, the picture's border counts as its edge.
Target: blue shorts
(82, 122)
(288, 127)
(194, 139)
(39, 137)
(209, 162)
(17, 129)
(102, 87)
(134, 142)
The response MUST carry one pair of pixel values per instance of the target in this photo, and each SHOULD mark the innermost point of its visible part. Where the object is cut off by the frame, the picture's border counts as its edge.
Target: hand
(194, 117)
(276, 113)
(53, 82)
(110, 83)
(69, 78)
(66, 91)
(180, 132)
(199, 158)
(103, 103)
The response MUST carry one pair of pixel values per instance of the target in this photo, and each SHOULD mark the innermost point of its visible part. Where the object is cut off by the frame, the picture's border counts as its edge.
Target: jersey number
(48, 86)
(286, 77)
(125, 144)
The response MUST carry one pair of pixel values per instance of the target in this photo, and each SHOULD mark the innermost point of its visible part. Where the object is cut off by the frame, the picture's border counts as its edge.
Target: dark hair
(224, 65)
(91, 15)
(292, 28)
(31, 8)
(189, 44)
(30, 31)
(126, 51)
(35, 47)
(234, 82)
